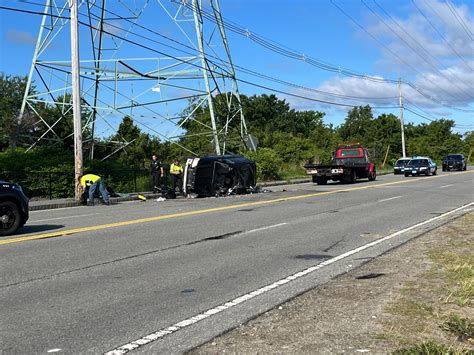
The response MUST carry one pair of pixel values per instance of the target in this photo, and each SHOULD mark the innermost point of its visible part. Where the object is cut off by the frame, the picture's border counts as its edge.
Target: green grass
(460, 275)
(411, 309)
(460, 327)
(431, 348)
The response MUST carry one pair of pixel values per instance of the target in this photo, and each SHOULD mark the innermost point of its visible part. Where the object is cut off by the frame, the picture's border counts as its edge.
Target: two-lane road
(165, 276)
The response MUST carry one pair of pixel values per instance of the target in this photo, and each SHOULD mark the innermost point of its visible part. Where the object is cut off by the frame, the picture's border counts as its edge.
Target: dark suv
(13, 208)
(454, 162)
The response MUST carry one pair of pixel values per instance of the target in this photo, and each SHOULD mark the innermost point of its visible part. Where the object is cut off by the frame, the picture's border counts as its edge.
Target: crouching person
(91, 183)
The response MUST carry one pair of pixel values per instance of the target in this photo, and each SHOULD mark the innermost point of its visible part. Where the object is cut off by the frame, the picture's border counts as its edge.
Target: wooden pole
(76, 100)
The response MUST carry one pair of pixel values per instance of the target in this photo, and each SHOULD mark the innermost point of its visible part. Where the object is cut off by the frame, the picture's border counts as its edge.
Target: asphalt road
(167, 276)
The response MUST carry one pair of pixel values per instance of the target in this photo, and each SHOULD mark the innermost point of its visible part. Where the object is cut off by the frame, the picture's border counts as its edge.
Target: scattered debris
(160, 199)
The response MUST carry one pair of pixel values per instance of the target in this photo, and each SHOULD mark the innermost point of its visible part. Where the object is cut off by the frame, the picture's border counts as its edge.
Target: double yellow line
(198, 212)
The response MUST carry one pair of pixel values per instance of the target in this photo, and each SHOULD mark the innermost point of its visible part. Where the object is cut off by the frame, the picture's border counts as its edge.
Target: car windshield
(454, 157)
(418, 162)
(401, 162)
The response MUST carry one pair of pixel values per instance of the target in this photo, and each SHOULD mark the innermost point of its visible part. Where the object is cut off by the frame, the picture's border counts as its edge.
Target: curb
(74, 203)
(133, 197)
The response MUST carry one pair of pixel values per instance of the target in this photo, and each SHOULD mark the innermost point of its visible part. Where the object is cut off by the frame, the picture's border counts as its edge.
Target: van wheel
(10, 218)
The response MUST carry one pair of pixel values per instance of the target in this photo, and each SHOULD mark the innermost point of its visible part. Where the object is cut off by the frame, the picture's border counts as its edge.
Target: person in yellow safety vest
(176, 171)
(91, 182)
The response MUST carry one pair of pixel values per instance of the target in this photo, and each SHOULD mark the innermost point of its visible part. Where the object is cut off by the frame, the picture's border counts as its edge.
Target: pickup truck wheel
(10, 218)
(372, 176)
(353, 176)
(321, 180)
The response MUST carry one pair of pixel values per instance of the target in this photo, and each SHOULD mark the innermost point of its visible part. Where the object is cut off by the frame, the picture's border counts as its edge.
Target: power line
(241, 80)
(242, 69)
(400, 59)
(415, 50)
(459, 19)
(289, 53)
(298, 56)
(441, 35)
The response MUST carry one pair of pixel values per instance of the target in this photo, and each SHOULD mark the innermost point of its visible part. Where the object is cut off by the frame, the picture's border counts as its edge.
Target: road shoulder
(419, 294)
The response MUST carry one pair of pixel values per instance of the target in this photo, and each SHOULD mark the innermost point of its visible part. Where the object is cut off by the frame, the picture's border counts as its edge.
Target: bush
(268, 163)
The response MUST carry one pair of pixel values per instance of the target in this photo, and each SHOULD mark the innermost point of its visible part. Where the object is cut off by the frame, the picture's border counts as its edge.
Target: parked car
(399, 166)
(13, 208)
(419, 166)
(454, 162)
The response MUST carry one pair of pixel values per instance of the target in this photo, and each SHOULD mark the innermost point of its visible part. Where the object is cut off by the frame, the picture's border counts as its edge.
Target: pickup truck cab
(13, 208)
(349, 163)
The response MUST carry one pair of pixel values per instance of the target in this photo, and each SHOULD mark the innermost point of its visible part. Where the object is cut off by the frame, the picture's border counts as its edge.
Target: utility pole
(76, 99)
(200, 40)
(402, 125)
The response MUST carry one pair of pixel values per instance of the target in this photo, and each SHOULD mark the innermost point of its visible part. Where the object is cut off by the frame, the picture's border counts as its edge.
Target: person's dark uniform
(156, 172)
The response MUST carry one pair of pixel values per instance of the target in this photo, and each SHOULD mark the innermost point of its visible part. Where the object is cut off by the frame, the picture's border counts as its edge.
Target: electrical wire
(441, 35)
(401, 60)
(241, 80)
(414, 49)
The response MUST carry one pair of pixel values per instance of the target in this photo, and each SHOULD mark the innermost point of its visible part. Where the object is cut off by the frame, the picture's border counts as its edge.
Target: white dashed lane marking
(442, 187)
(390, 199)
(199, 317)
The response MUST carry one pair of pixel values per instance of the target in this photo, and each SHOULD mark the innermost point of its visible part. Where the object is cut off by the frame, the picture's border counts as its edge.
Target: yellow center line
(209, 210)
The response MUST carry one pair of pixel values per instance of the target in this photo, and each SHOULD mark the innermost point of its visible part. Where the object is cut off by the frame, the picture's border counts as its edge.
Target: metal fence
(60, 184)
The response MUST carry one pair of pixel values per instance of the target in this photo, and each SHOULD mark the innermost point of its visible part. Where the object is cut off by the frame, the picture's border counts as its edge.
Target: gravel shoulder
(416, 297)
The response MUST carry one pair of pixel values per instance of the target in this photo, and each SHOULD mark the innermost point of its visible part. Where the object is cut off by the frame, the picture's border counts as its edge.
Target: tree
(12, 89)
(137, 146)
(358, 126)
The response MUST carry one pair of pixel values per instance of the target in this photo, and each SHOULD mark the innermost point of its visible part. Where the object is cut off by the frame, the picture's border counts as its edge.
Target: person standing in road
(176, 171)
(156, 172)
(90, 183)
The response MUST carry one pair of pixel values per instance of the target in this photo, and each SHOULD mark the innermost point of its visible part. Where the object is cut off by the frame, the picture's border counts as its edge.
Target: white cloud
(20, 37)
(447, 77)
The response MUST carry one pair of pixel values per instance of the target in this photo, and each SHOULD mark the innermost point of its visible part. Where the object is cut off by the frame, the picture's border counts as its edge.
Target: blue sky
(428, 43)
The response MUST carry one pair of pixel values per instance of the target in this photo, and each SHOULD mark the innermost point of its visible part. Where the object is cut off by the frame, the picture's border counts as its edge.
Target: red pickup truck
(349, 162)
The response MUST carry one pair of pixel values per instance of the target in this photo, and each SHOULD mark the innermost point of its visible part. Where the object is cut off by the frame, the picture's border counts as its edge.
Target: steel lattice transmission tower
(157, 61)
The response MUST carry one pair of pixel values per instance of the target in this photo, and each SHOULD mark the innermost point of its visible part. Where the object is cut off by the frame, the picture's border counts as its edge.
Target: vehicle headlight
(423, 168)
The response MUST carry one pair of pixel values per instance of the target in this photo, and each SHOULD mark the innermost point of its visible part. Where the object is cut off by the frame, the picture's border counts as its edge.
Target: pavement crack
(46, 277)
(332, 246)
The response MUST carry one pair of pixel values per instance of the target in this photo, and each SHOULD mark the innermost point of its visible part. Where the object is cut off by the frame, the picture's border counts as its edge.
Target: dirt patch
(415, 299)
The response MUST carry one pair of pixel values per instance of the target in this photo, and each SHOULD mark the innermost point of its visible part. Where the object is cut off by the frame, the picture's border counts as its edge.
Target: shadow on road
(36, 229)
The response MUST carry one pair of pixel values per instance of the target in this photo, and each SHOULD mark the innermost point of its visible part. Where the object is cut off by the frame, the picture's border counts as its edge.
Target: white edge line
(389, 199)
(210, 312)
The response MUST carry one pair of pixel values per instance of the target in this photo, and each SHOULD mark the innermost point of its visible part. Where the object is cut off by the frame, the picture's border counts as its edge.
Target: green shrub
(268, 163)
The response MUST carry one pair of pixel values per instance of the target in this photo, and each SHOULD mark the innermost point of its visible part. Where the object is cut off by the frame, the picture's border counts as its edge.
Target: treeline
(287, 138)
